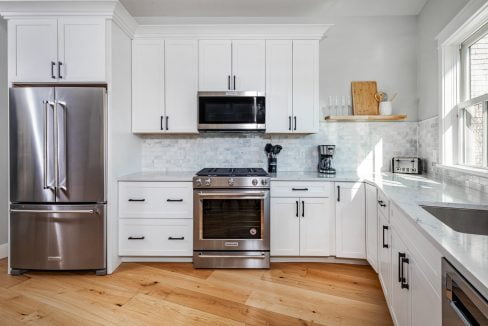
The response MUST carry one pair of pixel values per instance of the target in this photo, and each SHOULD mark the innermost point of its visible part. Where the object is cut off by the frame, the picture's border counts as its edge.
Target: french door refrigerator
(57, 178)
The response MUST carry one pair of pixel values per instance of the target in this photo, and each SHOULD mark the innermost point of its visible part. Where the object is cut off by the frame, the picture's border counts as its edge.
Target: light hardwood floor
(177, 294)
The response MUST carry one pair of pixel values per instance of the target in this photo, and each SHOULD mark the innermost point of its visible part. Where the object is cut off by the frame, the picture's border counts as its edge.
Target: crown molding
(233, 31)
(110, 9)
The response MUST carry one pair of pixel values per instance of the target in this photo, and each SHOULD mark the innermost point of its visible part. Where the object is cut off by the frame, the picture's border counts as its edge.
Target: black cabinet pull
(400, 269)
(228, 82)
(385, 245)
(167, 123)
(161, 123)
(174, 200)
(297, 209)
(299, 189)
(338, 193)
(234, 82)
(303, 208)
(136, 200)
(52, 69)
(136, 238)
(381, 203)
(295, 118)
(59, 69)
(180, 238)
(404, 283)
(289, 122)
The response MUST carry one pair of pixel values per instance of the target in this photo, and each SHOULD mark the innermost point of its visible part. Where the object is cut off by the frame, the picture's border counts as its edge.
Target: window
(472, 112)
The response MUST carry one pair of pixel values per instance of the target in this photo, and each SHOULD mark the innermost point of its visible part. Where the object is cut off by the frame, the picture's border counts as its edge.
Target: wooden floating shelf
(366, 118)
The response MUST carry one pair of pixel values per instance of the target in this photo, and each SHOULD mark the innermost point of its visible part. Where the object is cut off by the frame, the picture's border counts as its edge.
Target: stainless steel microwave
(231, 111)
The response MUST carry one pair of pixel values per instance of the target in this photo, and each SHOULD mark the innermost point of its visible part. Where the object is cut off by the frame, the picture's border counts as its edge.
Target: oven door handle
(257, 195)
(262, 256)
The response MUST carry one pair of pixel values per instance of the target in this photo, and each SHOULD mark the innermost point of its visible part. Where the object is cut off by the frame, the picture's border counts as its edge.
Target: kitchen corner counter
(159, 176)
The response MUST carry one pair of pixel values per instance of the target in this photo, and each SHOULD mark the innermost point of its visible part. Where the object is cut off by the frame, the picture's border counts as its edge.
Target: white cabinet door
(384, 255)
(315, 215)
(249, 65)
(372, 226)
(350, 220)
(279, 86)
(285, 227)
(426, 303)
(400, 281)
(147, 86)
(33, 50)
(181, 80)
(305, 86)
(81, 49)
(214, 65)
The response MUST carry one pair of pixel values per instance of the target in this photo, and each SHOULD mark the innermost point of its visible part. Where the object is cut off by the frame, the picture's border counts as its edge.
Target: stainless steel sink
(465, 220)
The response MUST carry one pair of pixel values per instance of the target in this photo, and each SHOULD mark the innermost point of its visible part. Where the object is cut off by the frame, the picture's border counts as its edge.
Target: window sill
(480, 172)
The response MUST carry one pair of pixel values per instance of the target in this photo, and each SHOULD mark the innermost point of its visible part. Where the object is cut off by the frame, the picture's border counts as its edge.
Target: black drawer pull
(400, 269)
(381, 203)
(385, 245)
(404, 283)
(137, 200)
(299, 189)
(136, 238)
(174, 200)
(180, 238)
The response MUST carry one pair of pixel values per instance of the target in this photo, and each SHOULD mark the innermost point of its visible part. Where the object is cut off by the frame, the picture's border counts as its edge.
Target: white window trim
(469, 20)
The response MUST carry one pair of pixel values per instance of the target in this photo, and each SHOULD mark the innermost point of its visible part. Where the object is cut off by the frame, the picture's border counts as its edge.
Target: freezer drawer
(57, 237)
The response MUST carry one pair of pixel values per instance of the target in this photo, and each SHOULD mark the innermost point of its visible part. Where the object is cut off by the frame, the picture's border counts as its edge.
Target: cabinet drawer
(302, 189)
(153, 237)
(383, 205)
(155, 200)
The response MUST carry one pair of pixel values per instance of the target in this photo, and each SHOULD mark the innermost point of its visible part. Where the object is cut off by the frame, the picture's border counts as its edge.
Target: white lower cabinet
(155, 219)
(371, 226)
(350, 220)
(285, 227)
(400, 281)
(152, 237)
(384, 254)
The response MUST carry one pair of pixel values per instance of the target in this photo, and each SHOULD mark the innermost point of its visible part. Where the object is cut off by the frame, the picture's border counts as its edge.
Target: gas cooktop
(232, 172)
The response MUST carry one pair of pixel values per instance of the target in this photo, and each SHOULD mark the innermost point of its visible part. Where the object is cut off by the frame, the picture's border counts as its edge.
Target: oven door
(235, 111)
(233, 220)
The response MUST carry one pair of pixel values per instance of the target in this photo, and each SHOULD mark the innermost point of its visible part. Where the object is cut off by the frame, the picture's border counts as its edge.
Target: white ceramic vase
(386, 108)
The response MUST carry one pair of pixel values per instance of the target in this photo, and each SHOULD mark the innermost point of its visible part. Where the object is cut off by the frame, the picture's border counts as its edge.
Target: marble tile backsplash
(363, 147)
(428, 149)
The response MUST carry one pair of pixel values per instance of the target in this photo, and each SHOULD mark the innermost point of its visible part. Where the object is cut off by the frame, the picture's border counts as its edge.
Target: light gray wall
(371, 48)
(3, 135)
(435, 15)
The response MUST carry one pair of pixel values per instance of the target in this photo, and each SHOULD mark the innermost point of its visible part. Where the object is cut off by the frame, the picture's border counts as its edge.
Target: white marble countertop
(467, 252)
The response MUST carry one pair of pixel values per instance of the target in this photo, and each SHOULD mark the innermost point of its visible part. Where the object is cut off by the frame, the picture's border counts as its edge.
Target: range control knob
(198, 182)
(254, 182)
(208, 182)
(231, 181)
(264, 182)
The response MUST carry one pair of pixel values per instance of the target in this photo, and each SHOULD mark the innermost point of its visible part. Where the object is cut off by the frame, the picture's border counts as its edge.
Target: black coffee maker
(326, 152)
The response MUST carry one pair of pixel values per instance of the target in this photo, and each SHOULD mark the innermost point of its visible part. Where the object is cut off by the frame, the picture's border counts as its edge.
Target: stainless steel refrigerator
(57, 178)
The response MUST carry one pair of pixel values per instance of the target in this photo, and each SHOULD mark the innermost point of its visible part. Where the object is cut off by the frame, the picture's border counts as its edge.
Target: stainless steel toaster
(409, 165)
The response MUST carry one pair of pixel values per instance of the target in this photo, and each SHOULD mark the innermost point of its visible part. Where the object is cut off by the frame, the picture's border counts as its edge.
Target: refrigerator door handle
(45, 149)
(61, 178)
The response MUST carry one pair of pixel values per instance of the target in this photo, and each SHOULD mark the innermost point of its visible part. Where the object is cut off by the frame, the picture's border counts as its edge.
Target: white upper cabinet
(305, 86)
(350, 220)
(81, 49)
(292, 86)
(279, 86)
(215, 65)
(56, 50)
(249, 65)
(232, 65)
(147, 86)
(372, 226)
(181, 85)
(33, 49)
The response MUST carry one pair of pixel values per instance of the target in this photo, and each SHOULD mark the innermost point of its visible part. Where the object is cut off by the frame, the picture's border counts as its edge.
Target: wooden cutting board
(363, 100)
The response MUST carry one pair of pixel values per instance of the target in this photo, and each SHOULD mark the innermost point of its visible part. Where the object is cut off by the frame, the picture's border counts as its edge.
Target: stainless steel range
(231, 218)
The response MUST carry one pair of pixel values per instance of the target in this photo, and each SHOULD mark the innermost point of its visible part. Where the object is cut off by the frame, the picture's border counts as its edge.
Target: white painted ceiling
(271, 8)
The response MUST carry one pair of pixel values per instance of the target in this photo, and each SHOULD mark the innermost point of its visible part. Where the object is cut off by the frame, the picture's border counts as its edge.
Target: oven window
(232, 219)
(230, 110)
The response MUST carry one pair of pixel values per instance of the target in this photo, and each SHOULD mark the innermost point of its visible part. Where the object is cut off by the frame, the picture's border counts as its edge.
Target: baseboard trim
(156, 259)
(4, 250)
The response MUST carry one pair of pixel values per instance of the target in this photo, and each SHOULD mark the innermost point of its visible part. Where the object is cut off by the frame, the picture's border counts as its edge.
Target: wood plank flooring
(177, 294)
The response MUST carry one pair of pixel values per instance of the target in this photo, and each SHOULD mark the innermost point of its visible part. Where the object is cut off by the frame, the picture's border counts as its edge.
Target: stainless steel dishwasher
(462, 304)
